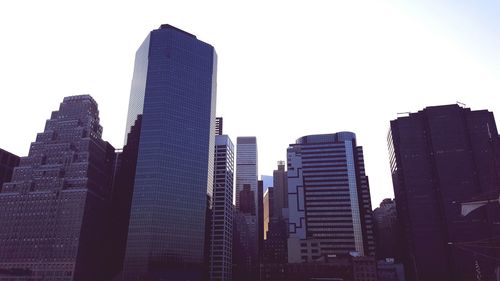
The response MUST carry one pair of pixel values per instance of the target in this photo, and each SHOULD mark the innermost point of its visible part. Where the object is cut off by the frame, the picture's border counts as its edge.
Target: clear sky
(286, 68)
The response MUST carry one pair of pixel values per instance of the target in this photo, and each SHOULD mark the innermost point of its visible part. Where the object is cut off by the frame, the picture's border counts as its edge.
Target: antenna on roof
(461, 104)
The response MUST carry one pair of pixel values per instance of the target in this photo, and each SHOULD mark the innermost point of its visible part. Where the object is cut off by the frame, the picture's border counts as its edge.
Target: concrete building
(328, 198)
(55, 212)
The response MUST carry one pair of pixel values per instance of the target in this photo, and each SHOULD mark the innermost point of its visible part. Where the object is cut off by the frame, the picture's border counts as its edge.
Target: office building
(55, 212)
(275, 222)
(246, 167)
(441, 156)
(218, 126)
(174, 92)
(268, 203)
(328, 198)
(221, 243)
(246, 238)
(8, 162)
(387, 231)
(280, 183)
(247, 223)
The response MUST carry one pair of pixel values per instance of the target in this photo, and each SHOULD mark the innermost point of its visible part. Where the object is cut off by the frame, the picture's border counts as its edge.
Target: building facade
(218, 126)
(8, 162)
(221, 244)
(441, 156)
(55, 212)
(280, 184)
(247, 222)
(174, 92)
(246, 166)
(328, 198)
(387, 231)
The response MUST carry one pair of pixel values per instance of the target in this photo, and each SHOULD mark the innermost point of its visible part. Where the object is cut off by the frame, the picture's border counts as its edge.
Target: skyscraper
(54, 213)
(8, 162)
(328, 198)
(174, 92)
(218, 126)
(221, 258)
(386, 229)
(246, 223)
(275, 245)
(441, 156)
(280, 183)
(246, 166)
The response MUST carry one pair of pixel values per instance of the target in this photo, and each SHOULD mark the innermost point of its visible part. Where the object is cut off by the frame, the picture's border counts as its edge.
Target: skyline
(344, 59)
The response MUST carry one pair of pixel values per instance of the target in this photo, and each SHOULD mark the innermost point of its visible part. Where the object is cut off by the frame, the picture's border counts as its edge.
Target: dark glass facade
(173, 88)
(54, 213)
(8, 162)
(441, 156)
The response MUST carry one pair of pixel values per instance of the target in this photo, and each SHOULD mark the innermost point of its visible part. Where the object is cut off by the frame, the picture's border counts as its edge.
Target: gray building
(246, 166)
(328, 198)
(8, 162)
(221, 256)
(174, 92)
(55, 212)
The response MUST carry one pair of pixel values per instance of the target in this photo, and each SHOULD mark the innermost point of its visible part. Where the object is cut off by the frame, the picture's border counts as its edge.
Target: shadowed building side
(439, 156)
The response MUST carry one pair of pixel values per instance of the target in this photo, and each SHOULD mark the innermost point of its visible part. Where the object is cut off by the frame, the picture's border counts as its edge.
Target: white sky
(286, 68)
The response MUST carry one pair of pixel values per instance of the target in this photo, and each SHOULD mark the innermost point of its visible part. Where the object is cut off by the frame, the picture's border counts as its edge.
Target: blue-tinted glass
(175, 158)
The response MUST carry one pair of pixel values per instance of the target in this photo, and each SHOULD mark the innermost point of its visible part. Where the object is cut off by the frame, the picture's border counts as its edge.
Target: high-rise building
(280, 183)
(268, 203)
(441, 156)
(275, 226)
(55, 212)
(246, 166)
(387, 231)
(221, 242)
(174, 90)
(8, 162)
(328, 198)
(218, 126)
(123, 187)
(247, 223)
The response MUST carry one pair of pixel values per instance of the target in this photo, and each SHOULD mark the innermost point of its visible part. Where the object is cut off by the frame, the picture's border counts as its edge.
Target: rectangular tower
(441, 156)
(247, 223)
(174, 92)
(246, 166)
(221, 259)
(328, 198)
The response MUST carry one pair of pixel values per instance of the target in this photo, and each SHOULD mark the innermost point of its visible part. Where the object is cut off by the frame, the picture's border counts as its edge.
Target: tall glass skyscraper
(54, 213)
(174, 90)
(246, 166)
(246, 220)
(328, 198)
